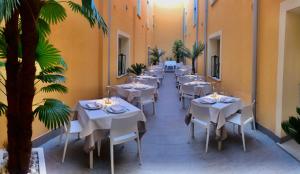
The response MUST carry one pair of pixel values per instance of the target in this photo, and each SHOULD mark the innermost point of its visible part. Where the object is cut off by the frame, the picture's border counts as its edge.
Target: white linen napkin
(207, 100)
(117, 108)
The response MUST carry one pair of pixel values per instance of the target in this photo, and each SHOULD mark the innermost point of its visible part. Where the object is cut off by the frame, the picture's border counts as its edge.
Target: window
(139, 8)
(149, 14)
(195, 12)
(123, 54)
(214, 56)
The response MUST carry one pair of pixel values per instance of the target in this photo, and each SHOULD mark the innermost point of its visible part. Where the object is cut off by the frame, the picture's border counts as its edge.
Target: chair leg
(99, 147)
(154, 111)
(182, 100)
(112, 157)
(139, 150)
(243, 138)
(207, 138)
(91, 159)
(65, 148)
(192, 130)
(61, 137)
(254, 126)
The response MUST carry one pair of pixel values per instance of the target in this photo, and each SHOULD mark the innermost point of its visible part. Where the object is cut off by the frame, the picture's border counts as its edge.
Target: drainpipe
(109, 40)
(205, 38)
(254, 52)
(197, 32)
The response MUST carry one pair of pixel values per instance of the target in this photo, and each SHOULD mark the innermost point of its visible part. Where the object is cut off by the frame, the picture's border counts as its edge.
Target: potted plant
(156, 54)
(292, 126)
(180, 51)
(29, 59)
(196, 52)
(136, 69)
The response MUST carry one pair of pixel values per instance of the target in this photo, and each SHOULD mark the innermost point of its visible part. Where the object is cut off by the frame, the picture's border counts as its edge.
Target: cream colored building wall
(291, 77)
(168, 17)
(267, 62)
(236, 47)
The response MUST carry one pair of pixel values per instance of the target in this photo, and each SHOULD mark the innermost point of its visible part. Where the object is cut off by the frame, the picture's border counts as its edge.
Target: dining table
(220, 107)
(201, 88)
(133, 90)
(96, 121)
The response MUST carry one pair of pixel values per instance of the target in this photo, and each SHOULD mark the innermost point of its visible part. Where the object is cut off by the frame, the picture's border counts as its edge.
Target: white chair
(123, 130)
(147, 97)
(74, 128)
(187, 91)
(202, 118)
(241, 119)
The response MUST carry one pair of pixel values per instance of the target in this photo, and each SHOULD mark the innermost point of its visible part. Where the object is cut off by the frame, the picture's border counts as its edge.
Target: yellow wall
(267, 62)
(190, 36)
(291, 79)
(236, 47)
(168, 16)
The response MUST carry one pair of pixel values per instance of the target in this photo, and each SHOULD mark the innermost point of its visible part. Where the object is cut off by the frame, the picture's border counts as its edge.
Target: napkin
(93, 105)
(117, 108)
(227, 99)
(207, 100)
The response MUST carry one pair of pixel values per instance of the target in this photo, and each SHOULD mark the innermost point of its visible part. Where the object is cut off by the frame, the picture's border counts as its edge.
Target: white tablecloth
(130, 93)
(94, 120)
(200, 88)
(170, 63)
(218, 111)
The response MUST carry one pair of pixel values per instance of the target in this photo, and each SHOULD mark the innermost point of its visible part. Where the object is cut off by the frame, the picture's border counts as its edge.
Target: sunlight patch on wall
(169, 3)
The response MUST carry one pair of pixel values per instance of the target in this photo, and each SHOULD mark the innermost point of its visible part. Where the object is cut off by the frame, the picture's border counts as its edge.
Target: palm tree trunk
(20, 86)
(12, 89)
(193, 66)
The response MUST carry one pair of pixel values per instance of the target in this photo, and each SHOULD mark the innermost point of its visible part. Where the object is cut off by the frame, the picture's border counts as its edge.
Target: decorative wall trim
(271, 134)
(46, 137)
(285, 6)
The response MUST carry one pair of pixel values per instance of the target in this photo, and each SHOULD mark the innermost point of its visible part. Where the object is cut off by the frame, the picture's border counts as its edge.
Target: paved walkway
(167, 148)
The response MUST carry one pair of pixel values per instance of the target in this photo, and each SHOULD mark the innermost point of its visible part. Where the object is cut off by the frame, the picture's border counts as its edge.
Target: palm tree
(24, 45)
(156, 54)
(292, 127)
(136, 69)
(179, 51)
(196, 52)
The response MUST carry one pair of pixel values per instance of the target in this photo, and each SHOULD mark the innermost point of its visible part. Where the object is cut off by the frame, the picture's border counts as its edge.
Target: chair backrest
(130, 79)
(202, 113)
(73, 116)
(112, 91)
(151, 82)
(184, 79)
(247, 111)
(123, 125)
(188, 89)
(147, 94)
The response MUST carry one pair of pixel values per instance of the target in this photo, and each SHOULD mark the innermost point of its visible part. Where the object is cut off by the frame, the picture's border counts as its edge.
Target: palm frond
(3, 44)
(53, 12)
(3, 108)
(43, 28)
(47, 55)
(7, 8)
(53, 113)
(54, 88)
(136, 69)
(53, 69)
(51, 78)
(292, 127)
(90, 12)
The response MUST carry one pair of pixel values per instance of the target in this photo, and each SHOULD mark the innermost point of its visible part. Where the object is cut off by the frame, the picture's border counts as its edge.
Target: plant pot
(38, 165)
